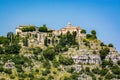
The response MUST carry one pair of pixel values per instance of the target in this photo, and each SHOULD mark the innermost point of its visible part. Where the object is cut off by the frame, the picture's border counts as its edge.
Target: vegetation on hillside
(19, 61)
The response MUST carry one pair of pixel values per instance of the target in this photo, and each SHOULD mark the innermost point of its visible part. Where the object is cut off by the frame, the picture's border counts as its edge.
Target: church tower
(68, 25)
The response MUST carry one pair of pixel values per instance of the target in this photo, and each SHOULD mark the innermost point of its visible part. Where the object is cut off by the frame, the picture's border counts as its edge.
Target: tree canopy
(43, 28)
(12, 49)
(28, 28)
(49, 53)
(104, 52)
(83, 31)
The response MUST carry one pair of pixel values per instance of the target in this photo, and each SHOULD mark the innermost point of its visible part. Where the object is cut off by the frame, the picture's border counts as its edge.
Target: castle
(55, 33)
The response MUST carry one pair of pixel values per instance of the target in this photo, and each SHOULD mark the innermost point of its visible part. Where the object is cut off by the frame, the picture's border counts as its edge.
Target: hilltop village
(40, 53)
(53, 33)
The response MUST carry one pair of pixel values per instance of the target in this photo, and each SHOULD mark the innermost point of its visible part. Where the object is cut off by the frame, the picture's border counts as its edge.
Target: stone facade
(42, 35)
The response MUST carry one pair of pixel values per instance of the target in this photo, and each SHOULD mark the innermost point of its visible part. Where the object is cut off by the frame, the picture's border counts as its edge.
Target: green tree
(96, 70)
(65, 60)
(87, 69)
(67, 78)
(10, 36)
(49, 53)
(88, 36)
(1, 68)
(109, 76)
(58, 48)
(43, 28)
(93, 32)
(46, 64)
(14, 48)
(104, 71)
(116, 70)
(46, 41)
(55, 63)
(104, 63)
(28, 28)
(37, 50)
(25, 41)
(4, 40)
(102, 44)
(19, 68)
(74, 38)
(69, 38)
(1, 50)
(46, 72)
(92, 35)
(62, 41)
(118, 62)
(41, 78)
(71, 70)
(110, 45)
(8, 71)
(104, 52)
(83, 31)
(74, 76)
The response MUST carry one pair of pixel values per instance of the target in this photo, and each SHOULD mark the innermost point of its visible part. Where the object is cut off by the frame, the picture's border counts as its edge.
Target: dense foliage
(104, 52)
(20, 61)
(28, 28)
(49, 53)
(43, 28)
(83, 31)
(13, 49)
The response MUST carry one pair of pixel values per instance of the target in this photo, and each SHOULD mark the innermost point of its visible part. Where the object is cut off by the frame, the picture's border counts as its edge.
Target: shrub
(71, 70)
(103, 71)
(96, 70)
(109, 76)
(104, 52)
(1, 50)
(74, 76)
(118, 62)
(50, 77)
(19, 68)
(37, 50)
(46, 64)
(83, 31)
(1, 69)
(116, 70)
(43, 28)
(65, 60)
(67, 78)
(28, 28)
(44, 73)
(49, 53)
(41, 78)
(8, 71)
(55, 63)
(110, 45)
(15, 48)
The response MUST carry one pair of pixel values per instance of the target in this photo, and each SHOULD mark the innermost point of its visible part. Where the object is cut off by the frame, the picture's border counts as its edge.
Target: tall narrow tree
(10, 36)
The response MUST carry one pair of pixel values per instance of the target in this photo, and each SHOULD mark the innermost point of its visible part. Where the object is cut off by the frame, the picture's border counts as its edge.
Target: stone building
(55, 33)
(71, 29)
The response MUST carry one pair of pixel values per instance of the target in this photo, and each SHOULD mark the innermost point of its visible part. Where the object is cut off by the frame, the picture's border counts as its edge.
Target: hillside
(39, 53)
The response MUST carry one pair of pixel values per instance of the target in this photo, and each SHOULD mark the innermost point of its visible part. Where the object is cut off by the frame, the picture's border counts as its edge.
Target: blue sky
(101, 15)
